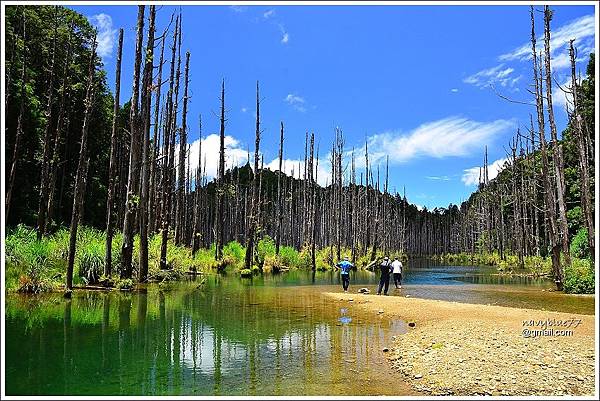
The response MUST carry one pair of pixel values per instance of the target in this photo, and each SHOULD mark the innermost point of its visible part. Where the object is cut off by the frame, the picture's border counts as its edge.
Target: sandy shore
(468, 349)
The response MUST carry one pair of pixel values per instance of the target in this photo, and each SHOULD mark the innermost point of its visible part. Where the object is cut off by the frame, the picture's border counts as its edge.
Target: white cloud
(438, 177)
(106, 34)
(234, 154)
(491, 76)
(238, 9)
(471, 175)
(269, 13)
(581, 29)
(244, 109)
(454, 90)
(452, 136)
(297, 102)
(285, 35)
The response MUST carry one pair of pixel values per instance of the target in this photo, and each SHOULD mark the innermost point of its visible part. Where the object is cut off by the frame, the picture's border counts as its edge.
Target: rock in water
(363, 290)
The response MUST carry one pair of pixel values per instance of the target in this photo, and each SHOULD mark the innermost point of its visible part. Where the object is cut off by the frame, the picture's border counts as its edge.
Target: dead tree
(146, 101)
(45, 168)
(81, 167)
(548, 187)
(155, 144)
(254, 207)
(168, 143)
(197, 236)
(279, 205)
(113, 162)
(220, 201)
(61, 123)
(557, 148)
(133, 181)
(179, 228)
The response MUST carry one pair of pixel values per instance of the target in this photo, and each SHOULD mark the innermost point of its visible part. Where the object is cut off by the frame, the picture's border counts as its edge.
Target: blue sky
(414, 81)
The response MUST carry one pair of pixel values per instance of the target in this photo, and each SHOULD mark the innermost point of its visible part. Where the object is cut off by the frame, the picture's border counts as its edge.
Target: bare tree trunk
(279, 205)
(179, 228)
(548, 187)
(219, 229)
(557, 149)
(113, 163)
(253, 206)
(169, 133)
(132, 203)
(313, 184)
(60, 127)
(146, 101)
(80, 177)
(197, 236)
(155, 142)
(44, 184)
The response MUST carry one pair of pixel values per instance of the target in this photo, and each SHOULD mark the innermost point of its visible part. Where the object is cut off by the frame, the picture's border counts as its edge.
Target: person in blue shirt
(345, 267)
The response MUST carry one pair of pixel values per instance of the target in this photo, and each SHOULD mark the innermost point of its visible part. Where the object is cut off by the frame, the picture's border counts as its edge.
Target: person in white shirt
(397, 271)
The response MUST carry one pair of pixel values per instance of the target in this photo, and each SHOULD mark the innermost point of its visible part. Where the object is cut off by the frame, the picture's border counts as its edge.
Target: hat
(386, 258)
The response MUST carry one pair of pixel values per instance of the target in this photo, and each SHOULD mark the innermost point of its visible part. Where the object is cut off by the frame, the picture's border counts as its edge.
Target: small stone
(411, 324)
(380, 311)
(363, 290)
(350, 299)
(418, 376)
(580, 378)
(385, 349)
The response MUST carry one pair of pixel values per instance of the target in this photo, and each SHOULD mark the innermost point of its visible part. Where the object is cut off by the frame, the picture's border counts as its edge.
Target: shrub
(264, 248)
(289, 257)
(579, 245)
(124, 284)
(245, 273)
(235, 250)
(579, 277)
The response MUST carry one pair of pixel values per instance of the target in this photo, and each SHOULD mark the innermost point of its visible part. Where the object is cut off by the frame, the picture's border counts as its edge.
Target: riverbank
(467, 349)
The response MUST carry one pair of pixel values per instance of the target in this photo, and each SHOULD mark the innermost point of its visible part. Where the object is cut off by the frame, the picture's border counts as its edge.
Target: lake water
(272, 334)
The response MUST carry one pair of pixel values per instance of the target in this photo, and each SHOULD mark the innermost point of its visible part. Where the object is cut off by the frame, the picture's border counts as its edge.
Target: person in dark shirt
(345, 266)
(384, 279)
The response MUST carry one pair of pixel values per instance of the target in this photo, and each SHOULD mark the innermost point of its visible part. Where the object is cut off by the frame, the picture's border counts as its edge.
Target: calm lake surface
(272, 334)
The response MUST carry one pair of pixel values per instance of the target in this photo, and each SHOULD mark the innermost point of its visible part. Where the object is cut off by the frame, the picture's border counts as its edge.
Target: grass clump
(579, 277)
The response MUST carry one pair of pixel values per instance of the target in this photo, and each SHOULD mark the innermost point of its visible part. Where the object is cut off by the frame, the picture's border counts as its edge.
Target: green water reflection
(213, 340)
